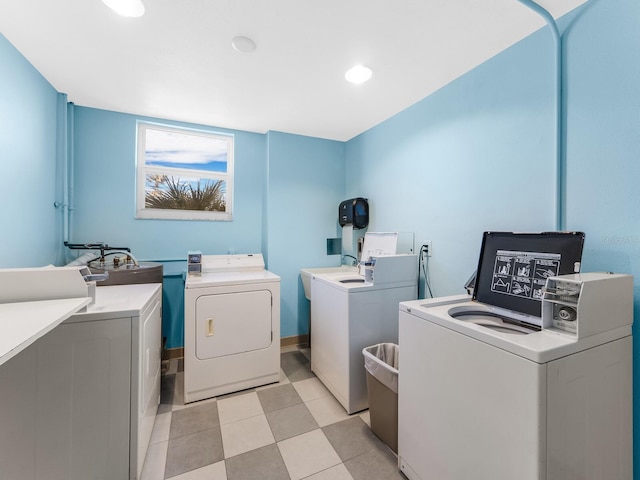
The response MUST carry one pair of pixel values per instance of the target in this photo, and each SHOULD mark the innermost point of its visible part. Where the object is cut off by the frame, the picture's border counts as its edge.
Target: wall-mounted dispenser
(353, 214)
(354, 211)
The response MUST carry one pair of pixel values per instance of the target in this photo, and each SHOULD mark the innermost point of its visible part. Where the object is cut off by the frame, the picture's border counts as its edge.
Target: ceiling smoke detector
(243, 44)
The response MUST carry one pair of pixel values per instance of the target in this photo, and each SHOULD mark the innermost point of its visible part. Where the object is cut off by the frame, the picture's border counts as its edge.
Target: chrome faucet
(355, 260)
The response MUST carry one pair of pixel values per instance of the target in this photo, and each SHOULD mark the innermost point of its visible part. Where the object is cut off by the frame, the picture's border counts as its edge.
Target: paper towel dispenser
(354, 211)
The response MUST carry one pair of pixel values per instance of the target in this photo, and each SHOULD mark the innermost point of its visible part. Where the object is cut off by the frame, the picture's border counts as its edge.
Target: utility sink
(307, 273)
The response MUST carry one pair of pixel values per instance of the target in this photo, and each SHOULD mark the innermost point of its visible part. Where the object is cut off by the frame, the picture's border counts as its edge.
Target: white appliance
(348, 314)
(479, 398)
(84, 396)
(232, 326)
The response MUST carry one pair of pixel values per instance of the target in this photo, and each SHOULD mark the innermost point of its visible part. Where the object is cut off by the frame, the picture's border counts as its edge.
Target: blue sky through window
(184, 150)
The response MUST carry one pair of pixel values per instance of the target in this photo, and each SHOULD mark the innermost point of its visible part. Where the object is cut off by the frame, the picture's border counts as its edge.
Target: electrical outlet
(429, 247)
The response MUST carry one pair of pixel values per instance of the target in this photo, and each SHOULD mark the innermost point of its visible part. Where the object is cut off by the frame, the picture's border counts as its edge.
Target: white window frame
(142, 170)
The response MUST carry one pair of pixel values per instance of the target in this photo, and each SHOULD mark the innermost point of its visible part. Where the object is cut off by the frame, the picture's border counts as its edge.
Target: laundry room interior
(533, 134)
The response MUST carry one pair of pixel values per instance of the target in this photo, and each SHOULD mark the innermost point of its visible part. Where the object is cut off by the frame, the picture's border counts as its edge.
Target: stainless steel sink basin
(307, 273)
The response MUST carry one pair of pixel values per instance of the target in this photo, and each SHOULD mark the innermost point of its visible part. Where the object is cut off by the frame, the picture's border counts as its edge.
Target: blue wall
(603, 147)
(31, 225)
(104, 207)
(476, 155)
(305, 186)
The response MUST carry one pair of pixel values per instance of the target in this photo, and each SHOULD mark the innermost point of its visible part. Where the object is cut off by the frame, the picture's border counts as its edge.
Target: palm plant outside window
(183, 174)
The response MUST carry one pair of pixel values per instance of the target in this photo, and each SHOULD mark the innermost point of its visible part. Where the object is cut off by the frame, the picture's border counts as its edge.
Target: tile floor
(290, 430)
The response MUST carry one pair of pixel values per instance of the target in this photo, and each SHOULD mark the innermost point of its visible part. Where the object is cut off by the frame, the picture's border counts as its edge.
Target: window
(183, 174)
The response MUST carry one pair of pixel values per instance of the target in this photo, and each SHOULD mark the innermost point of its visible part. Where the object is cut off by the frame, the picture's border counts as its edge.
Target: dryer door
(229, 323)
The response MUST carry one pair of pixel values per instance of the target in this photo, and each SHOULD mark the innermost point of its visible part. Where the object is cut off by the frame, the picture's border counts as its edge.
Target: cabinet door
(148, 384)
(84, 399)
(74, 387)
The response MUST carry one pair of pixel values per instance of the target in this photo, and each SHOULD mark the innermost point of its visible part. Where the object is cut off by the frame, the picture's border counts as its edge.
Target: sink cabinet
(79, 403)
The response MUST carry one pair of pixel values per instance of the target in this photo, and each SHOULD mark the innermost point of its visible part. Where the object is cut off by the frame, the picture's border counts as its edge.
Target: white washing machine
(232, 326)
(479, 398)
(349, 314)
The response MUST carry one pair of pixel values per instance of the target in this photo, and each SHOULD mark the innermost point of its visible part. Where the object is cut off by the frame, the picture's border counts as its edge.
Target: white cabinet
(343, 322)
(145, 374)
(68, 415)
(79, 403)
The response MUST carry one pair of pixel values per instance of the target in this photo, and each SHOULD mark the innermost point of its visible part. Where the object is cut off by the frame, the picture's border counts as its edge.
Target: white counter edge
(23, 323)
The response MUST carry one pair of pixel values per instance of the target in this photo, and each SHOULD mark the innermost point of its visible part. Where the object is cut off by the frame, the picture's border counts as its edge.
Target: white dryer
(232, 326)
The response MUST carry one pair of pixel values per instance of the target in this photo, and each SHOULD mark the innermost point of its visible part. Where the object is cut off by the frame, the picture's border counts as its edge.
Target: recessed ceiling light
(358, 74)
(126, 8)
(243, 44)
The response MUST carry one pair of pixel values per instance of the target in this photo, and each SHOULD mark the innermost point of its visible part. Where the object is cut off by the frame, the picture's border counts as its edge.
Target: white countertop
(22, 323)
(119, 301)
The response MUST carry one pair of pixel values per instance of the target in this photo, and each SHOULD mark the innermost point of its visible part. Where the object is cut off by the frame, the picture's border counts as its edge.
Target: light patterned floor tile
(178, 393)
(351, 437)
(276, 398)
(198, 417)
(239, 407)
(310, 389)
(307, 454)
(283, 381)
(263, 463)
(296, 366)
(326, 410)
(291, 421)
(306, 351)
(154, 462)
(182, 406)
(379, 462)
(366, 418)
(161, 428)
(339, 472)
(215, 471)
(194, 451)
(245, 435)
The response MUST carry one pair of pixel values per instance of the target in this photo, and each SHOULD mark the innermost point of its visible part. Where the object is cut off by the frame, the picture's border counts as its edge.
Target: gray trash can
(381, 364)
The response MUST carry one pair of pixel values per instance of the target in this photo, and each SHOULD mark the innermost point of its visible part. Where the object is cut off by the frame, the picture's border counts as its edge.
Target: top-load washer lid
(513, 269)
(377, 244)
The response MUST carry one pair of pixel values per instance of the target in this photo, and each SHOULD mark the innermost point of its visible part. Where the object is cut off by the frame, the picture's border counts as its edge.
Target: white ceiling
(176, 62)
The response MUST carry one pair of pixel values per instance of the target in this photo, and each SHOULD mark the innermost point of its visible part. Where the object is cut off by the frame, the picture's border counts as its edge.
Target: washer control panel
(585, 304)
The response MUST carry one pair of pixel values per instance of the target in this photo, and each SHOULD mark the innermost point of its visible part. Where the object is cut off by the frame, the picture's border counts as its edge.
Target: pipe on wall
(561, 164)
(70, 170)
(61, 199)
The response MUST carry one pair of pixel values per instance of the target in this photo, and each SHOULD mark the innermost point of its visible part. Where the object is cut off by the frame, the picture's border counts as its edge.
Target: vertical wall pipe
(561, 164)
(65, 171)
(70, 170)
